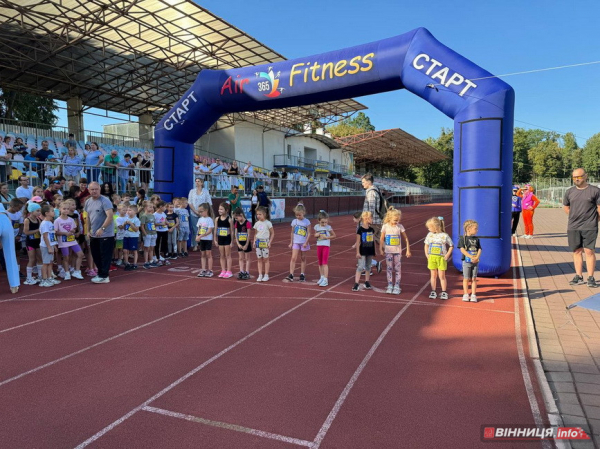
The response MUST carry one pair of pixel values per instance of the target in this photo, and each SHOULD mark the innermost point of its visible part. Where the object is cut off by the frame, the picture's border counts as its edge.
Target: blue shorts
(130, 243)
(183, 235)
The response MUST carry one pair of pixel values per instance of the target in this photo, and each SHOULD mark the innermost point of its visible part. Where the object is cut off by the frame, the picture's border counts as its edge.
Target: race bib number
(202, 230)
(185, 218)
(435, 249)
(471, 253)
(300, 231)
(262, 243)
(51, 237)
(367, 237)
(242, 236)
(222, 232)
(16, 224)
(323, 233)
(127, 226)
(151, 227)
(37, 235)
(171, 224)
(392, 240)
(68, 238)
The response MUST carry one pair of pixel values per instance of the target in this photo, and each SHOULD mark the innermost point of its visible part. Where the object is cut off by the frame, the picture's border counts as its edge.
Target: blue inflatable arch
(482, 108)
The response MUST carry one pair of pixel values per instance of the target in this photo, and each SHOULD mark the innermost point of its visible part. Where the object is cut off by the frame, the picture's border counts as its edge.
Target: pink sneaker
(222, 274)
(92, 273)
(228, 274)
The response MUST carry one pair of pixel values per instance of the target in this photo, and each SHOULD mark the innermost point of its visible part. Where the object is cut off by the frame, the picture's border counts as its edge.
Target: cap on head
(37, 199)
(31, 207)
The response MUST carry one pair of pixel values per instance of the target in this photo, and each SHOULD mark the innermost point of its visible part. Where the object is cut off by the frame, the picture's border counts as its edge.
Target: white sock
(29, 272)
(39, 272)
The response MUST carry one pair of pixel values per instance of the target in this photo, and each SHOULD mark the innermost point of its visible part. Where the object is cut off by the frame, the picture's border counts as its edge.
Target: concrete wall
(221, 142)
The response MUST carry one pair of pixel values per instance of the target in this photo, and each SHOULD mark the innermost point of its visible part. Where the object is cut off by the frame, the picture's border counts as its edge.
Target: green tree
(547, 159)
(353, 125)
(438, 174)
(26, 107)
(572, 154)
(591, 155)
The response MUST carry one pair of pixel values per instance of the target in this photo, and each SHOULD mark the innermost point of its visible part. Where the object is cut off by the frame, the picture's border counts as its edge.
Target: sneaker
(45, 283)
(96, 279)
(577, 280)
(227, 275)
(118, 263)
(77, 274)
(324, 282)
(91, 273)
(153, 264)
(289, 277)
(432, 295)
(368, 285)
(379, 266)
(113, 268)
(22, 276)
(127, 267)
(390, 289)
(591, 282)
(515, 235)
(466, 297)
(473, 298)
(202, 273)
(222, 274)
(265, 277)
(54, 281)
(135, 267)
(161, 258)
(355, 288)
(208, 274)
(61, 274)
(71, 270)
(246, 276)
(67, 276)
(240, 275)
(259, 278)
(101, 280)
(302, 277)
(30, 281)
(319, 281)
(396, 291)
(147, 266)
(186, 254)
(444, 295)
(173, 256)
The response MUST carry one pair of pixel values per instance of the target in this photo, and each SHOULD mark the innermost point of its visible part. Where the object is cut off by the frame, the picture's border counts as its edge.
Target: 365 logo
(270, 87)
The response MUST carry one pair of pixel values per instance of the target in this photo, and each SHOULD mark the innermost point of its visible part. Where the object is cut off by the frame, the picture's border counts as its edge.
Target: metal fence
(551, 191)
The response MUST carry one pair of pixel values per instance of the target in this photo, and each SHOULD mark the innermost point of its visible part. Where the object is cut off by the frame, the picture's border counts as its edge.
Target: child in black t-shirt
(243, 241)
(365, 249)
(470, 248)
(173, 226)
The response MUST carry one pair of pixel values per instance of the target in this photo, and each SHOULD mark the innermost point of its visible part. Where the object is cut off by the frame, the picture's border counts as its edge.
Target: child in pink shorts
(324, 234)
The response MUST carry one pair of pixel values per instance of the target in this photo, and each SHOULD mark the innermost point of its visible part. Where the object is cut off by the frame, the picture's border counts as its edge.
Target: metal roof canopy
(391, 146)
(132, 57)
(331, 143)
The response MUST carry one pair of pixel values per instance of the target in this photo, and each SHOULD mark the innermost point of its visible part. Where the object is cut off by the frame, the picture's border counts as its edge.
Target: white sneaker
(259, 278)
(67, 276)
(45, 283)
(319, 281)
(515, 235)
(396, 291)
(473, 298)
(324, 283)
(466, 297)
(101, 280)
(61, 274)
(30, 281)
(265, 278)
(71, 270)
(96, 279)
(77, 274)
(54, 281)
(390, 289)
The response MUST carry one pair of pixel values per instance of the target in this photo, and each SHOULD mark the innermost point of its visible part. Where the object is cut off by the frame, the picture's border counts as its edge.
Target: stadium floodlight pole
(481, 105)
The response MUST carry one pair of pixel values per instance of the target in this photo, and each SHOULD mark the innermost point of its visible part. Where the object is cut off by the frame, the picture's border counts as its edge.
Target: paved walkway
(569, 343)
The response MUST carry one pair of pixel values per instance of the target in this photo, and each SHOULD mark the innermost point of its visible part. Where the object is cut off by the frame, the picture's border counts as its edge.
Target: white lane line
(338, 405)
(228, 426)
(114, 337)
(191, 373)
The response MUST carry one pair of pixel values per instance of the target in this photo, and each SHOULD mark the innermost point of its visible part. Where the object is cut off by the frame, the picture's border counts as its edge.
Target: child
(437, 253)
(91, 271)
(48, 245)
(15, 214)
(365, 249)
(356, 219)
(263, 238)
(299, 242)
(67, 231)
(470, 248)
(183, 233)
(242, 238)
(224, 231)
(324, 233)
(173, 225)
(148, 227)
(131, 225)
(120, 234)
(162, 233)
(31, 229)
(74, 214)
(206, 227)
(392, 233)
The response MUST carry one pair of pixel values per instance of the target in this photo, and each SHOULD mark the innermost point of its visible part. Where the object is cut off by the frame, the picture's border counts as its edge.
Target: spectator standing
(42, 156)
(109, 172)
(197, 196)
(4, 157)
(53, 189)
(72, 167)
(264, 200)
(85, 193)
(234, 197)
(24, 192)
(517, 198)
(71, 142)
(529, 204)
(7, 236)
(582, 204)
(93, 160)
(100, 231)
(248, 173)
(5, 197)
(284, 176)
(125, 167)
(145, 165)
(233, 172)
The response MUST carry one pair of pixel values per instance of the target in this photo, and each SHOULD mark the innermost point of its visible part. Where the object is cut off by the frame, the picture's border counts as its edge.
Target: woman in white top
(254, 205)
(196, 197)
(7, 234)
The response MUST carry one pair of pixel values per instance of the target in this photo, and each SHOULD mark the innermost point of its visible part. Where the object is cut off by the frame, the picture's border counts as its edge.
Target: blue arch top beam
(482, 108)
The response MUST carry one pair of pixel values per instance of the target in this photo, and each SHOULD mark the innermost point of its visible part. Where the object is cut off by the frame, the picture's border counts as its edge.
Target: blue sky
(502, 37)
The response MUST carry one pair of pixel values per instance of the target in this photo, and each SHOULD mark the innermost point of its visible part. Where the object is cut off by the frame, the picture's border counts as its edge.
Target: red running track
(161, 358)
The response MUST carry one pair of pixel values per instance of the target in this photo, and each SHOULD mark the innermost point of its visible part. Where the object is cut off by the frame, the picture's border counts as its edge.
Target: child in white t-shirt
(299, 242)
(131, 228)
(48, 245)
(263, 238)
(324, 233)
(206, 226)
(392, 233)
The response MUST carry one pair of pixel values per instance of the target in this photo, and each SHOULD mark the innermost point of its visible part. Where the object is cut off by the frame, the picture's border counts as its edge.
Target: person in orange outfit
(529, 203)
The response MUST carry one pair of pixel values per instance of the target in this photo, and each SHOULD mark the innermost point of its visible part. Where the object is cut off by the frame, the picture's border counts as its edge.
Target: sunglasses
(578, 177)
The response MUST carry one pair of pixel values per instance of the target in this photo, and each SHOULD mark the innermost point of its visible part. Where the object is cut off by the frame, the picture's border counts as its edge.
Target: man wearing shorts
(582, 204)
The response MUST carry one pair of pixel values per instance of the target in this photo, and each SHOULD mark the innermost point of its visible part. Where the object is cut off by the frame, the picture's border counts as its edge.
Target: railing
(282, 160)
(551, 191)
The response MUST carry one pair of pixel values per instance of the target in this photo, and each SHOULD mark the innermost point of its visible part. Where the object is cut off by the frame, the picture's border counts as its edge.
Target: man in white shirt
(4, 156)
(248, 177)
(24, 192)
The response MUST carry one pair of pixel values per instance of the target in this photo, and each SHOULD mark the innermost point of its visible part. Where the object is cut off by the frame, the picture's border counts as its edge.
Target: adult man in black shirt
(582, 204)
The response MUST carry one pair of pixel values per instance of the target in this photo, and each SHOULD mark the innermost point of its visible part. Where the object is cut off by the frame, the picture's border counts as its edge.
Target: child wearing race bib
(148, 227)
(299, 242)
(119, 220)
(223, 239)
(162, 234)
(48, 245)
(173, 225)
(392, 233)
(206, 226)
(470, 248)
(438, 249)
(66, 232)
(131, 226)
(243, 241)
(324, 233)
(365, 249)
(31, 229)
(183, 233)
(263, 238)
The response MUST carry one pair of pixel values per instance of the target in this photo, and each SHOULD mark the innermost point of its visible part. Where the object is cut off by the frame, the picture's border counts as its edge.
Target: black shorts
(223, 241)
(582, 239)
(247, 250)
(206, 245)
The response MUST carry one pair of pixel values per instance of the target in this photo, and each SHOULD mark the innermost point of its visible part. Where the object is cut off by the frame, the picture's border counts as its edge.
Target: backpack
(384, 205)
